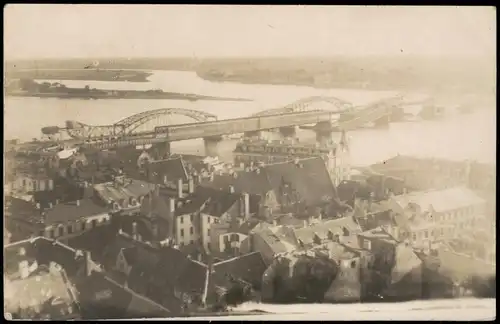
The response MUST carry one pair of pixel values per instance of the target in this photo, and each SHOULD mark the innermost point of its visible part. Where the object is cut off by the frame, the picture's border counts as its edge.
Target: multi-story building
(200, 217)
(123, 195)
(55, 220)
(434, 215)
(251, 152)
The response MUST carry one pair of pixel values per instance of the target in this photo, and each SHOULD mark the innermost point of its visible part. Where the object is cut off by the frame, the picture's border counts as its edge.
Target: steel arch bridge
(308, 104)
(128, 125)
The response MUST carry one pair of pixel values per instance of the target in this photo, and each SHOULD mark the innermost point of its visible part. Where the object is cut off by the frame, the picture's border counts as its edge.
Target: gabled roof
(277, 244)
(95, 240)
(166, 266)
(172, 168)
(66, 212)
(440, 200)
(251, 182)
(309, 178)
(131, 188)
(59, 213)
(379, 234)
(247, 226)
(220, 201)
(115, 301)
(347, 222)
(249, 268)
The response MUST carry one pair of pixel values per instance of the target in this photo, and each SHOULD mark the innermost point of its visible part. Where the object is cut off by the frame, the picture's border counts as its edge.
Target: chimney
(165, 179)
(191, 185)
(134, 231)
(246, 205)
(57, 201)
(179, 188)
(88, 263)
(77, 202)
(172, 205)
(231, 189)
(305, 223)
(50, 204)
(37, 205)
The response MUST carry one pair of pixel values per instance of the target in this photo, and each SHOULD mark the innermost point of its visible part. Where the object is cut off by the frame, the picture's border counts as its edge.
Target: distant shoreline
(122, 95)
(86, 74)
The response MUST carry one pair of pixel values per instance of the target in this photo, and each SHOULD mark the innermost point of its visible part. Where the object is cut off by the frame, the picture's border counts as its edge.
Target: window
(414, 236)
(182, 219)
(191, 217)
(191, 241)
(208, 232)
(51, 234)
(94, 223)
(42, 233)
(182, 232)
(208, 246)
(84, 223)
(426, 234)
(61, 231)
(353, 264)
(191, 230)
(70, 229)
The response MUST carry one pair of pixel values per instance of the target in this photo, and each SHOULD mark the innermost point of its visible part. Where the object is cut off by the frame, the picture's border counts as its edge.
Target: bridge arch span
(127, 125)
(309, 104)
(132, 122)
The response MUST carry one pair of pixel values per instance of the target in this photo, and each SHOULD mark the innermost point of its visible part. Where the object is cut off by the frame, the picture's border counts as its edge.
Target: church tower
(343, 158)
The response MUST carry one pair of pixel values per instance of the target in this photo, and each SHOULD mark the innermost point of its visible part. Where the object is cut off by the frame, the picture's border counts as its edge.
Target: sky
(66, 30)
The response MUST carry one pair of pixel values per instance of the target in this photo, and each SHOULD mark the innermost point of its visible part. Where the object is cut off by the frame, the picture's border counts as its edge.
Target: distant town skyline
(58, 31)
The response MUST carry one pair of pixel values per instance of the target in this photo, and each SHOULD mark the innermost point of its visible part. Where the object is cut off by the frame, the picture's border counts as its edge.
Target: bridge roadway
(216, 129)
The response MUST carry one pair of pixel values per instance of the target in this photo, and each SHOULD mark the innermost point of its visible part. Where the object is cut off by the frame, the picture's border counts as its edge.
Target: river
(470, 136)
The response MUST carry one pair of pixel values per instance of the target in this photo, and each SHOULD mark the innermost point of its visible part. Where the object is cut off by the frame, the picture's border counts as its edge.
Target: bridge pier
(256, 134)
(324, 132)
(211, 145)
(288, 132)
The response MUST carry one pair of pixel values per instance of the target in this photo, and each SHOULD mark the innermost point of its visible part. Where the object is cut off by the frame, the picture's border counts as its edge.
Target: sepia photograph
(264, 162)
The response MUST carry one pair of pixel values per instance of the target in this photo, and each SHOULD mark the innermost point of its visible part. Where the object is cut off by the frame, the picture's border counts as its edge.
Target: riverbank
(120, 94)
(31, 88)
(84, 74)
